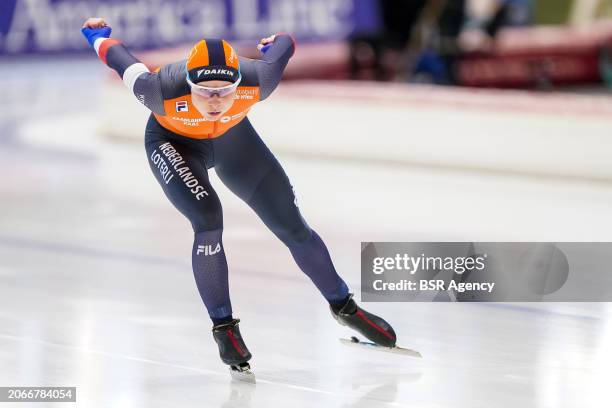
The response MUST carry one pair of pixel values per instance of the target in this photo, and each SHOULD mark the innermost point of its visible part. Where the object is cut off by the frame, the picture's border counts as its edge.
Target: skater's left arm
(277, 50)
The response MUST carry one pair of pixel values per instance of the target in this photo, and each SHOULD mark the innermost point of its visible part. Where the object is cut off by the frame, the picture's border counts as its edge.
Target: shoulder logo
(181, 106)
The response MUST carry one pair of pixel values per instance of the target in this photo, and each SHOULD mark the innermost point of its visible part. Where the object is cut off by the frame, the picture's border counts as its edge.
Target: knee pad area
(295, 236)
(206, 221)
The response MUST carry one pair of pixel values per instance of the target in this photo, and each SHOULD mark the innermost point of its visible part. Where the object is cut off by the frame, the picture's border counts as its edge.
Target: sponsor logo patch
(213, 71)
(181, 106)
(208, 250)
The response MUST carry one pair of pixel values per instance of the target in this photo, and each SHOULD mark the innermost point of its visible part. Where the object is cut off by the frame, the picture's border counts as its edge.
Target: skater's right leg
(180, 167)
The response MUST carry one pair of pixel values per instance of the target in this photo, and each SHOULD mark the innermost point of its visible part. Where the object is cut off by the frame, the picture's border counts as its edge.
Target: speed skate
(355, 342)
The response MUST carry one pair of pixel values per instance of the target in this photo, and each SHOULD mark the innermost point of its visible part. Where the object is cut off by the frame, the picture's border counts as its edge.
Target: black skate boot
(232, 349)
(372, 327)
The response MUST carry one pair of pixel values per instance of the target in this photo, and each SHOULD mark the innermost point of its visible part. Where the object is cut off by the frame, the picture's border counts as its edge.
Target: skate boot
(371, 326)
(232, 349)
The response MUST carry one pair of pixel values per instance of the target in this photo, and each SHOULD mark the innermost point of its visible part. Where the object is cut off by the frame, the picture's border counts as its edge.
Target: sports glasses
(208, 92)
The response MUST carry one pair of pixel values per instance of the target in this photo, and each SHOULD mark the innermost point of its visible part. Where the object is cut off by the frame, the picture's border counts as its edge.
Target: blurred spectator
(481, 28)
(421, 39)
(431, 56)
(376, 56)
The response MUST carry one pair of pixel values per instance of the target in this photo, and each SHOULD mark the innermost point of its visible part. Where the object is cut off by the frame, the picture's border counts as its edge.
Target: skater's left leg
(248, 168)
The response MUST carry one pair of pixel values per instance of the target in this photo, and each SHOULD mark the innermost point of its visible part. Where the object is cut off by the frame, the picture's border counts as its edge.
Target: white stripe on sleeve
(98, 43)
(131, 74)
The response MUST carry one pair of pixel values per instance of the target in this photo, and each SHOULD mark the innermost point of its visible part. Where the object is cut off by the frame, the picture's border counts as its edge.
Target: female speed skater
(199, 120)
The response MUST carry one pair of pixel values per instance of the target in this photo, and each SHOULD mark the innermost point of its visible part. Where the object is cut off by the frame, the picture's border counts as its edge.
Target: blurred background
(414, 120)
(497, 43)
(535, 60)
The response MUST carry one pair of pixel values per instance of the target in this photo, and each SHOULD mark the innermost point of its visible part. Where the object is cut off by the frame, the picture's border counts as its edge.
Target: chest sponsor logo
(181, 106)
(226, 119)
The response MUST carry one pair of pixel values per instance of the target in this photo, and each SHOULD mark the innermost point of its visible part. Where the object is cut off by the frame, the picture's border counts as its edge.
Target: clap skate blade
(242, 372)
(355, 342)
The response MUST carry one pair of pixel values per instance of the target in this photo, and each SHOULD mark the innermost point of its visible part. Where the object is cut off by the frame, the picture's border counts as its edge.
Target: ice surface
(96, 289)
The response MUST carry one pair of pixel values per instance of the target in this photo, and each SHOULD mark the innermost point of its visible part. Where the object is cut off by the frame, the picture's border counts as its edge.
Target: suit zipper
(214, 132)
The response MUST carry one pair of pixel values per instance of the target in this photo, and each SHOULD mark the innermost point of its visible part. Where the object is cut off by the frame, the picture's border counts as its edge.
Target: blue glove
(92, 34)
(265, 48)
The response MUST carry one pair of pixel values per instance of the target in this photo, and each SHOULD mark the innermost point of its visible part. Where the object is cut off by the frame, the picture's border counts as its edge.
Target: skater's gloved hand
(266, 43)
(94, 28)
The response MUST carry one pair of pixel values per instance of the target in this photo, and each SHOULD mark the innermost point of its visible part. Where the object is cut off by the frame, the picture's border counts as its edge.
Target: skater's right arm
(145, 85)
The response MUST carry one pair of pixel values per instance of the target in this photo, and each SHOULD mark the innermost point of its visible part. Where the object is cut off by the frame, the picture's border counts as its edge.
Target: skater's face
(213, 105)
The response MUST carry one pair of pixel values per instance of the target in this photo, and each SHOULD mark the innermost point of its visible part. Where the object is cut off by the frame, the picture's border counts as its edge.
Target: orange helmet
(213, 59)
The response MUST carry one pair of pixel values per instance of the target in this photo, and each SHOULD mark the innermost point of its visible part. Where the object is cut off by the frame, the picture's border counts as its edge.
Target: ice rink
(96, 288)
